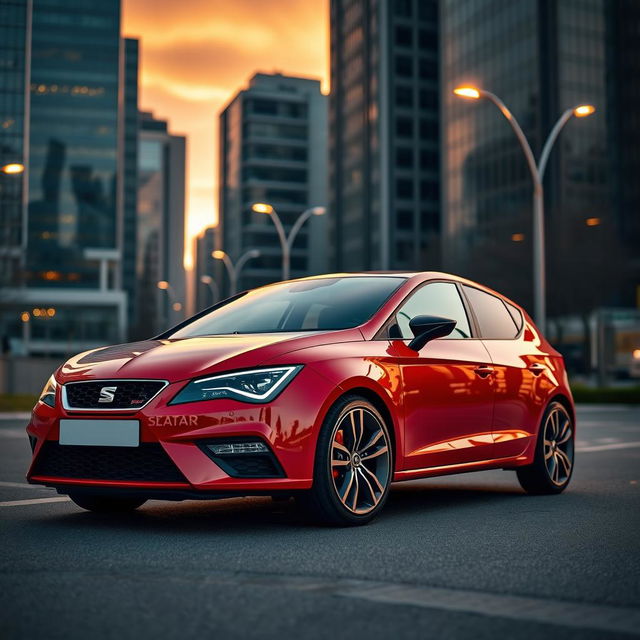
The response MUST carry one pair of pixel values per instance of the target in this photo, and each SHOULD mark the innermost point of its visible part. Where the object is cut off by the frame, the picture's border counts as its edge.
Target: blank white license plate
(101, 433)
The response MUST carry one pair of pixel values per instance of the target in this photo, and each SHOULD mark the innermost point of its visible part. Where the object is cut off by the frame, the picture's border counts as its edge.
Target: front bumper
(172, 458)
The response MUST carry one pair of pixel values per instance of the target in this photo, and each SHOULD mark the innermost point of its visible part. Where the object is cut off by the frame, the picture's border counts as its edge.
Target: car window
(495, 321)
(435, 299)
(321, 304)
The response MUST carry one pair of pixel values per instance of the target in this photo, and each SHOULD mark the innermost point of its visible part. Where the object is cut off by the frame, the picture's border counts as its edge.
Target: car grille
(126, 394)
(146, 463)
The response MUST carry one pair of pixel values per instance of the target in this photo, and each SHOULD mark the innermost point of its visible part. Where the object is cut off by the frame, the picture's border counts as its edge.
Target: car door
(447, 386)
(519, 371)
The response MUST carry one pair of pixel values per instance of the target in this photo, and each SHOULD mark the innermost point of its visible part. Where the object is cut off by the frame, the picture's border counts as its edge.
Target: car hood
(175, 360)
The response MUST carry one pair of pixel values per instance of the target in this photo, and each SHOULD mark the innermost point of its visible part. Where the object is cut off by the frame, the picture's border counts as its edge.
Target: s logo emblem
(107, 394)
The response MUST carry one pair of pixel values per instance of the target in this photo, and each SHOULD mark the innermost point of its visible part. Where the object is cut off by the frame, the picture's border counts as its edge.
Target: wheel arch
(381, 405)
(565, 401)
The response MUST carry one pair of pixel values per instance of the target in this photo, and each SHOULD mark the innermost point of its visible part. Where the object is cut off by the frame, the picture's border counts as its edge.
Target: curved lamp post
(213, 287)
(537, 174)
(163, 285)
(234, 269)
(286, 242)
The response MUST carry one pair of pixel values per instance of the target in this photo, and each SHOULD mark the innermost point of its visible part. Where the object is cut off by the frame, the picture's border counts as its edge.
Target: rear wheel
(353, 464)
(552, 465)
(106, 504)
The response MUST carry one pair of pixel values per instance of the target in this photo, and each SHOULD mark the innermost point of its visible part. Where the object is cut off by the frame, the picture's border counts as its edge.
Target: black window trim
(518, 335)
(383, 332)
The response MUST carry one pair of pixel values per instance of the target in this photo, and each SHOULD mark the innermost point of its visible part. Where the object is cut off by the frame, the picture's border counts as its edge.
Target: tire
(553, 462)
(351, 479)
(106, 504)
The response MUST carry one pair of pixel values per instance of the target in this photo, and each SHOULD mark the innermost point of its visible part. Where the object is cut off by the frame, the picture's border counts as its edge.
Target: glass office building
(68, 296)
(15, 16)
(542, 58)
(75, 57)
(384, 135)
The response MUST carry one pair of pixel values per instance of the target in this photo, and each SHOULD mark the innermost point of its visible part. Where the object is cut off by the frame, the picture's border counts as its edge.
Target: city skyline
(179, 79)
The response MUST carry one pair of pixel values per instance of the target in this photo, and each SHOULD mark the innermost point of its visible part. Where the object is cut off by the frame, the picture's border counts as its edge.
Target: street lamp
(537, 174)
(13, 167)
(234, 269)
(213, 287)
(163, 285)
(287, 241)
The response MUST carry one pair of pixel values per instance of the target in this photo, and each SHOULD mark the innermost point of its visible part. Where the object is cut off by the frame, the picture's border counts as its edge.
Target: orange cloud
(196, 54)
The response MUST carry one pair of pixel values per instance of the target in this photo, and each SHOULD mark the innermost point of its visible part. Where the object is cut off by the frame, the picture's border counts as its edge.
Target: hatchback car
(326, 388)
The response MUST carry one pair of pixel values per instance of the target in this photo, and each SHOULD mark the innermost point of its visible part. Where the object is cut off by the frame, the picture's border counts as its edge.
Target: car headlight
(48, 395)
(255, 385)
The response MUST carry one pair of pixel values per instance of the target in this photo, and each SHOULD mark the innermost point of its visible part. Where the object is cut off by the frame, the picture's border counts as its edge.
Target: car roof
(416, 276)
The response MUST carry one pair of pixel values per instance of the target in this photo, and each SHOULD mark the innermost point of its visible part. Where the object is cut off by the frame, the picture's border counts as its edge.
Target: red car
(326, 388)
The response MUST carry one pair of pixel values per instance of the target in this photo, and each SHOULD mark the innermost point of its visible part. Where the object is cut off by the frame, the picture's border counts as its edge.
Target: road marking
(608, 447)
(13, 433)
(21, 503)
(23, 485)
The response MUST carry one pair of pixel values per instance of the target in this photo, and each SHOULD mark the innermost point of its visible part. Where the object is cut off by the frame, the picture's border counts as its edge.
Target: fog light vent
(244, 457)
(237, 448)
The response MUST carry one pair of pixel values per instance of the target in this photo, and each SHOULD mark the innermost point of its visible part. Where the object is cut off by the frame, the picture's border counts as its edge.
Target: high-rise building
(273, 150)
(15, 33)
(207, 292)
(160, 228)
(541, 58)
(384, 134)
(130, 132)
(72, 54)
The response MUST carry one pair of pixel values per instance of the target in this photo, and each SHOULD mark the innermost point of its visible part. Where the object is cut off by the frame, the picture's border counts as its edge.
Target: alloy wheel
(360, 461)
(558, 445)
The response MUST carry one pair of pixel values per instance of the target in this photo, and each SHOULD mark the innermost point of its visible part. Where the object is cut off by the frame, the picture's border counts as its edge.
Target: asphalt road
(460, 557)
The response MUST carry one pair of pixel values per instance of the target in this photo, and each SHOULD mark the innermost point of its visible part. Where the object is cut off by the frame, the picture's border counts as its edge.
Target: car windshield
(321, 304)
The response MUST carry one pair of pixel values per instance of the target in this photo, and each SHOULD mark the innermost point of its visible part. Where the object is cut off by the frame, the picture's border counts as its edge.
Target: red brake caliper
(340, 440)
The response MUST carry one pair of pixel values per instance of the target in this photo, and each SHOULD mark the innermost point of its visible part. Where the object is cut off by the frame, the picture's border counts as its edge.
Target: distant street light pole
(537, 174)
(213, 287)
(234, 269)
(175, 305)
(286, 242)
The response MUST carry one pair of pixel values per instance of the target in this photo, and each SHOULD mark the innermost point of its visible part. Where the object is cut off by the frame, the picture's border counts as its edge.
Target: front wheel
(552, 465)
(106, 504)
(353, 466)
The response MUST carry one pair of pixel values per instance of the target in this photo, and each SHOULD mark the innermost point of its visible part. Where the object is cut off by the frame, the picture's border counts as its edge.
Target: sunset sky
(196, 54)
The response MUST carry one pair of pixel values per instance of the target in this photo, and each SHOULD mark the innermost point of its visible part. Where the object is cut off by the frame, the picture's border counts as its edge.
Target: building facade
(71, 245)
(384, 135)
(273, 150)
(206, 292)
(15, 47)
(543, 57)
(159, 229)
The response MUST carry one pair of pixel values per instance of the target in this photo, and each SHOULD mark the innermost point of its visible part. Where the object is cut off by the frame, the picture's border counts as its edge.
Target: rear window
(496, 323)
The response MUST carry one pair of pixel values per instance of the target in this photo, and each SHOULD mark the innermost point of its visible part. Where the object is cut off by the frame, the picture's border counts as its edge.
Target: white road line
(608, 447)
(21, 503)
(22, 485)
(13, 433)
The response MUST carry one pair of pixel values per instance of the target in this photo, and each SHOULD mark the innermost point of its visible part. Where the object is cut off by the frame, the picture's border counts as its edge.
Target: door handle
(536, 368)
(484, 370)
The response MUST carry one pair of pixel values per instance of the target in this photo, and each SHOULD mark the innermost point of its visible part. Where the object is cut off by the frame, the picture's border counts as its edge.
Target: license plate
(100, 433)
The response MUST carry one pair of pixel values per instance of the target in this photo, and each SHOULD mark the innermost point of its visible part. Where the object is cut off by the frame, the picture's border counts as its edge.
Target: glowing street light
(12, 168)
(537, 174)
(286, 242)
(163, 285)
(234, 269)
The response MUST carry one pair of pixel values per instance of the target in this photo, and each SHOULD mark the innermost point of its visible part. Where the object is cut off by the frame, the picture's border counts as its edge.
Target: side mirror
(427, 328)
